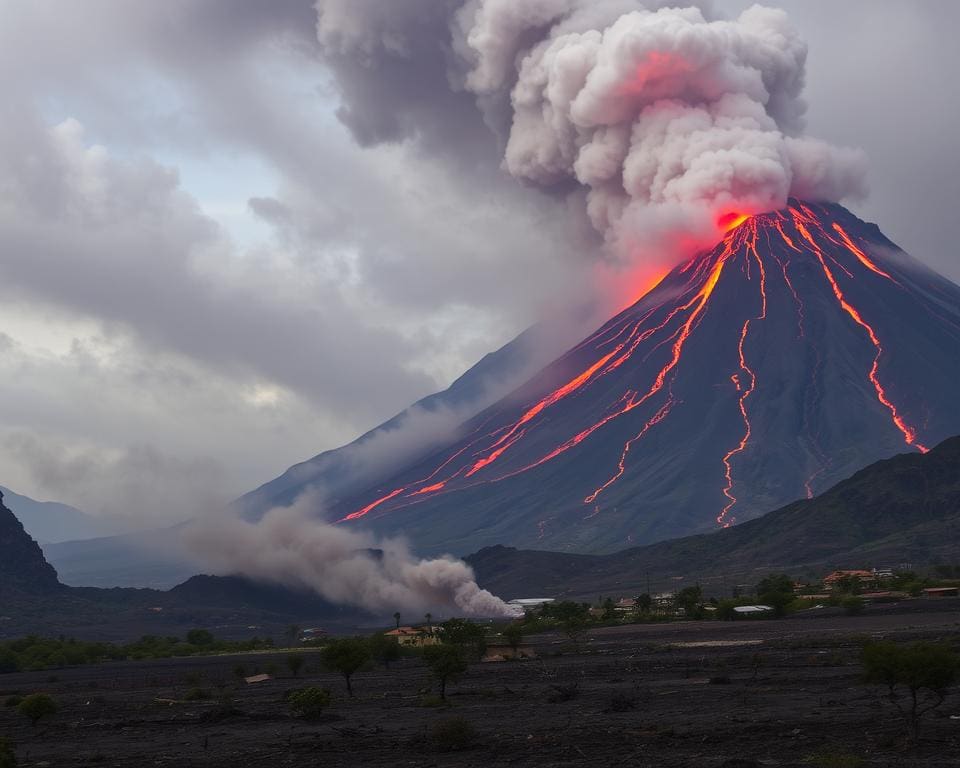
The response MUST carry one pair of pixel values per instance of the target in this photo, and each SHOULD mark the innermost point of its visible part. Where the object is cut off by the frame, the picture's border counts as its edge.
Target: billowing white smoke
(289, 546)
(664, 118)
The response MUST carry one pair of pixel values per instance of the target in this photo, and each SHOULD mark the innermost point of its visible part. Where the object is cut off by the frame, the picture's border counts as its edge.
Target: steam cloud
(662, 120)
(289, 546)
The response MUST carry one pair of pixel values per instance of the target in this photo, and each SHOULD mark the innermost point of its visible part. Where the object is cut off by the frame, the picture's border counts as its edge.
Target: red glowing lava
(908, 432)
(730, 221)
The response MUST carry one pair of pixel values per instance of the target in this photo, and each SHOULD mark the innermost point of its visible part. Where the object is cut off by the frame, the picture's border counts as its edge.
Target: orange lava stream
(622, 466)
(372, 506)
(909, 434)
(859, 254)
(724, 518)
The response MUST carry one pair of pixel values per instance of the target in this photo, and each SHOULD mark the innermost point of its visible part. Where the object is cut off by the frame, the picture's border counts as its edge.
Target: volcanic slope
(804, 346)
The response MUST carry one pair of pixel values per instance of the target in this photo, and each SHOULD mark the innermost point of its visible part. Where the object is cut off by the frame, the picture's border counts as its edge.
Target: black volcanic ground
(667, 377)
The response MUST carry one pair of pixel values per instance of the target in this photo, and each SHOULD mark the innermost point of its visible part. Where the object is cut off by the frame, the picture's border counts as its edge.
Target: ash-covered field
(777, 693)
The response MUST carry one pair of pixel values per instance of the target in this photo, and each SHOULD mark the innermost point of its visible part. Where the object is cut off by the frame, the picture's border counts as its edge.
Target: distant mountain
(51, 522)
(804, 346)
(33, 601)
(156, 559)
(901, 510)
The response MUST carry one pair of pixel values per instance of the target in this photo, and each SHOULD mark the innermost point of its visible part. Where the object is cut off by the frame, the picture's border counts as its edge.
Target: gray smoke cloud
(662, 120)
(290, 546)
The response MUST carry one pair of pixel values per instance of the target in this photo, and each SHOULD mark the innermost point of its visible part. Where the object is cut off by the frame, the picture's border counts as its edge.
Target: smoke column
(289, 546)
(663, 122)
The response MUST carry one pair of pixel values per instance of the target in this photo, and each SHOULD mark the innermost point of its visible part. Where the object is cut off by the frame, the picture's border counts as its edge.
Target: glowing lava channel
(724, 518)
(801, 219)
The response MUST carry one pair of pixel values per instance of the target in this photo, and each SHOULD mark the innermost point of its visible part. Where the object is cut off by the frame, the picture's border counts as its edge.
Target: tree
(464, 633)
(396, 618)
(853, 605)
(644, 603)
(36, 706)
(777, 592)
(688, 600)
(295, 663)
(429, 618)
(200, 637)
(446, 662)
(849, 584)
(514, 635)
(609, 609)
(919, 673)
(309, 703)
(345, 656)
(384, 649)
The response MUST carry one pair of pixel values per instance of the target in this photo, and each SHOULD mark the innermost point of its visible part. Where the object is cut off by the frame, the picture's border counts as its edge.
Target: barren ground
(644, 698)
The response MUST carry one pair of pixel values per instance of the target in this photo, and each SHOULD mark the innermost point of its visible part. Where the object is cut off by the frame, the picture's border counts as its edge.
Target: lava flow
(628, 374)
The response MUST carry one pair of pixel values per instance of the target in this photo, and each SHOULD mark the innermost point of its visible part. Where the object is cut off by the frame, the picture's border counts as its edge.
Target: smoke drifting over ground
(288, 546)
(661, 120)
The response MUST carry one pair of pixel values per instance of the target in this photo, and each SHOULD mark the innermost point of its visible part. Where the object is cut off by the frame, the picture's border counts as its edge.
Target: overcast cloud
(212, 265)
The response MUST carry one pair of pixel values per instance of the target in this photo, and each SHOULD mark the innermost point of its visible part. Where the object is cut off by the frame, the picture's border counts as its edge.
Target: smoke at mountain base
(289, 546)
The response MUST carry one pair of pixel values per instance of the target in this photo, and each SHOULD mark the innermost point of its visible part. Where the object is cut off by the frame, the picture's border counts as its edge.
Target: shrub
(12, 701)
(917, 676)
(36, 706)
(200, 637)
(454, 734)
(309, 703)
(7, 757)
(853, 605)
(432, 702)
(197, 694)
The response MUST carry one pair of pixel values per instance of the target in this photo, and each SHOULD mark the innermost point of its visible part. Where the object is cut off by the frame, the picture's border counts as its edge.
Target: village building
(413, 637)
(865, 578)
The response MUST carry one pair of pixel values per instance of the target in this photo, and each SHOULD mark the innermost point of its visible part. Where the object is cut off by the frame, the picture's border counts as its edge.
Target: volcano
(804, 346)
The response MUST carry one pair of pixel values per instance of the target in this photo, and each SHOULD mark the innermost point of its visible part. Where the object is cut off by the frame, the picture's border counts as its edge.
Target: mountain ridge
(905, 509)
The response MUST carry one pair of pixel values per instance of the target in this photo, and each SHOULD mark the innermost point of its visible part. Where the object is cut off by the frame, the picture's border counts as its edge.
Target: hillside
(901, 510)
(50, 521)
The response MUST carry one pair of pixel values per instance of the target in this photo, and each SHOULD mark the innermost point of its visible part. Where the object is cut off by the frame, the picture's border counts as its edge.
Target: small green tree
(295, 663)
(688, 600)
(513, 634)
(8, 758)
(447, 663)
(644, 603)
(917, 676)
(776, 591)
(469, 636)
(609, 609)
(309, 703)
(849, 584)
(384, 649)
(345, 656)
(36, 706)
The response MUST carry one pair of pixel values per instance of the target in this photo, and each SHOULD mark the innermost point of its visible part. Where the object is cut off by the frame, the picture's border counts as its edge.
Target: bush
(454, 734)
(917, 676)
(13, 701)
(36, 706)
(197, 694)
(309, 703)
(432, 702)
(853, 605)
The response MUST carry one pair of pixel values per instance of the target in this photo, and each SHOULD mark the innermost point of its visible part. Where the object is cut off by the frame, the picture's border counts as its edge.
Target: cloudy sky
(223, 251)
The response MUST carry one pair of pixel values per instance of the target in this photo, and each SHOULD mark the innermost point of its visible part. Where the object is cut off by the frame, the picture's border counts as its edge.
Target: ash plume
(660, 120)
(289, 546)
